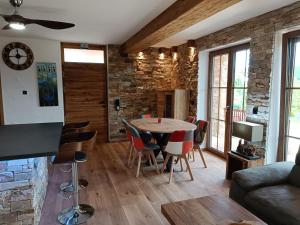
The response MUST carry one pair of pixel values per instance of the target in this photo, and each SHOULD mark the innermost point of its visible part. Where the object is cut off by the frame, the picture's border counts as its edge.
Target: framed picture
(47, 84)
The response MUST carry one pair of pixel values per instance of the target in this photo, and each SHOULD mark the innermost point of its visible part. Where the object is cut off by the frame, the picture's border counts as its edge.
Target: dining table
(166, 125)
(161, 129)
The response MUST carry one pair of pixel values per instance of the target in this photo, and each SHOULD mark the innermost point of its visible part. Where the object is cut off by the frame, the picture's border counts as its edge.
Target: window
(83, 56)
(290, 102)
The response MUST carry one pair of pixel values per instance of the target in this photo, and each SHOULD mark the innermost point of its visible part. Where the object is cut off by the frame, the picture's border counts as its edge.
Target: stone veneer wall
(135, 80)
(23, 185)
(261, 30)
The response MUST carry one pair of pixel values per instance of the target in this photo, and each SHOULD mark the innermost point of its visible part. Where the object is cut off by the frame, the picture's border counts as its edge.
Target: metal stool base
(72, 215)
(68, 186)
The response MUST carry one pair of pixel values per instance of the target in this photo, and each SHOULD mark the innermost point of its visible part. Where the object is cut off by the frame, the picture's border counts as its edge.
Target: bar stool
(87, 142)
(79, 213)
(76, 127)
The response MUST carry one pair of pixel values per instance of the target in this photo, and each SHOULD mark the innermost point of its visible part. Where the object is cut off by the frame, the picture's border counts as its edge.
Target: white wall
(19, 108)
(203, 87)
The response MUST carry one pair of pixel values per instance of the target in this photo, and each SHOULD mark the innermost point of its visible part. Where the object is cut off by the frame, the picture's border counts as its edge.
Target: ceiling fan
(18, 22)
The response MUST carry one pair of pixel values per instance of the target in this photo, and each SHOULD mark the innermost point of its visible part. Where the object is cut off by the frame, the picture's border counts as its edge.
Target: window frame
(78, 46)
(283, 123)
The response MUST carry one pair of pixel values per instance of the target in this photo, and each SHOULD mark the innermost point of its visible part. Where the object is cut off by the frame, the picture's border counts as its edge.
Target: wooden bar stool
(76, 127)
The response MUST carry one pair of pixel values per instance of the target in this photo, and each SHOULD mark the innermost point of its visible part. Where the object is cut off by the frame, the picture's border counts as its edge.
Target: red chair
(191, 119)
(179, 145)
(141, 149)
(126, 125)
(199, 136)
(146, 116)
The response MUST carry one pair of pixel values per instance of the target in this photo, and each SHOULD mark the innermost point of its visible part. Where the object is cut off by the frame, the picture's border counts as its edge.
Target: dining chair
(144, 116)
(191, 119)
(199, 136)
(129, 137)
(179, 145)
(142, 149)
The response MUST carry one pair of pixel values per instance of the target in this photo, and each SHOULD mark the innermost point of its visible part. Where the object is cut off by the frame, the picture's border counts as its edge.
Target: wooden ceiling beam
(178, 17)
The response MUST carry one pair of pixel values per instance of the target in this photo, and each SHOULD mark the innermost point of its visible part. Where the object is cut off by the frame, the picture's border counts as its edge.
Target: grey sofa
(271, 192)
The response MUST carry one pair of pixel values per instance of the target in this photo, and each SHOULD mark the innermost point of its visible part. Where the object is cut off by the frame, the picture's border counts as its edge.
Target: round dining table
(161, 131)
(166, 126)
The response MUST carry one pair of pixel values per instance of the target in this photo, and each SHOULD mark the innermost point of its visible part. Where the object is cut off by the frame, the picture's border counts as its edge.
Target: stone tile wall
(23, 185)
(134, 79)
(261, 30)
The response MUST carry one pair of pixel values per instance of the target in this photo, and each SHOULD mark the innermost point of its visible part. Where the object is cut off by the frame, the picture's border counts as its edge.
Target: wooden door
(85, 96)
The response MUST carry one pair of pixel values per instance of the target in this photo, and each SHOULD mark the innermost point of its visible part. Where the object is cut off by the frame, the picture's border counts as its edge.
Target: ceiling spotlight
(161, 53)
(17, 26)
(174, 51)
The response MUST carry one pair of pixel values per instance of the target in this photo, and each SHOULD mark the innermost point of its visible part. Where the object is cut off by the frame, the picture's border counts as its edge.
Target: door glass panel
(297, 67)
(222, 103)
(292, 146)
(214, 134)
(240, 82)
(293, 118)
(215, 96)
(218, 99)
(241, 68)
(216, 72)
(224, 70)
(221, 136)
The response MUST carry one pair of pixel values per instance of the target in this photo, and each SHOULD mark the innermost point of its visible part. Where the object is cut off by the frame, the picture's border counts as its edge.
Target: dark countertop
(29, 140)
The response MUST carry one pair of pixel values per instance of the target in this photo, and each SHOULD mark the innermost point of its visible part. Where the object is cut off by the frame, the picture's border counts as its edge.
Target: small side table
(236, 162)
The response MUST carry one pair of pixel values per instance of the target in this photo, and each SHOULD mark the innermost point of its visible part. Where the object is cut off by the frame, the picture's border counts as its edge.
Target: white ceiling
(114, 21)
(237, 13)
(97, 21)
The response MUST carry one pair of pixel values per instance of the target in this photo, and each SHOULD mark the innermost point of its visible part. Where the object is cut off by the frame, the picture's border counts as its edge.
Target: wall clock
(17, 56)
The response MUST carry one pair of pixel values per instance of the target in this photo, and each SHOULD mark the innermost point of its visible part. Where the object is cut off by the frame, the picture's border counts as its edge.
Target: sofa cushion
(294, 177)
(273, 174)
(279, 203)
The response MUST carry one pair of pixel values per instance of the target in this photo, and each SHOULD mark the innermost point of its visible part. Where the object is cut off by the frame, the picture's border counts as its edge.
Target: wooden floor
(121, 199)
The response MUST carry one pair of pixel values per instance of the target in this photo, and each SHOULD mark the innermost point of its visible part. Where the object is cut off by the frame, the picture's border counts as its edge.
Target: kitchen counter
(24, 170)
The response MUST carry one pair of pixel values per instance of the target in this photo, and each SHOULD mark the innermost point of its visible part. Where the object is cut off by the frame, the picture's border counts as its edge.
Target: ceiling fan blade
(50, 24)
(7, 27)
(6, 17)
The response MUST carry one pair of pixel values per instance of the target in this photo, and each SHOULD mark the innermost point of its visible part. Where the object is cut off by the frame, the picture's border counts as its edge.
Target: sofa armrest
(269, 175)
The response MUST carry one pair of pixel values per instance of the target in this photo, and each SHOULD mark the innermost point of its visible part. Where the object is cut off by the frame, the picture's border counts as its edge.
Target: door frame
(281, 155)
(90, 47)
(229, 98)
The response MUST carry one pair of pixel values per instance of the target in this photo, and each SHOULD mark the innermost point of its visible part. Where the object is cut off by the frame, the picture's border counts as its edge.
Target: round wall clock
(17, 56)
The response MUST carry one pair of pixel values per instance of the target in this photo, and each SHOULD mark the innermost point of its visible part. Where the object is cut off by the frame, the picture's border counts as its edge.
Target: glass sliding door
(291, 110)
(218, 95)
(227, 95)
(240, 86)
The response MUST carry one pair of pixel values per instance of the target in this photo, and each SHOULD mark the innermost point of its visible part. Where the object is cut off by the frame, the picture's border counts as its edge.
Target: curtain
(290, 70)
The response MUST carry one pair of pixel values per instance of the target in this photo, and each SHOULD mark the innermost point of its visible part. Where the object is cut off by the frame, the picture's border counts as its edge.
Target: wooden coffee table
(210, 210)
